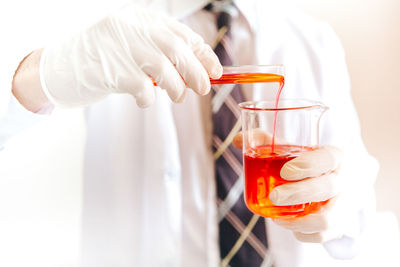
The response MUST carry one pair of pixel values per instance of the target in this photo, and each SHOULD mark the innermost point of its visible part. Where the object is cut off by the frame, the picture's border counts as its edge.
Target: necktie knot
(225, 10)
(222, 6)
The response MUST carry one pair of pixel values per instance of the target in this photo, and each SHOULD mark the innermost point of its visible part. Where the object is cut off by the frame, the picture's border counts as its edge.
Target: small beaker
(272, 135)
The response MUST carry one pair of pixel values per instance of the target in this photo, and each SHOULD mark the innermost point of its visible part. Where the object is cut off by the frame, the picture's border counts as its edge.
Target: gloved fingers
(308, 190)
(312, 163)
(185, 62)
(311, 223)
(145, 97)
(309, 238)
(319, 237)
(324, 225)
(165, 75)
(209, 60)
(202, 51)
(136, 83)
(256, 137)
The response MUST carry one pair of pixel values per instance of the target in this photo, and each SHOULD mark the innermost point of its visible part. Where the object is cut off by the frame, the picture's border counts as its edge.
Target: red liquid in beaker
(262, 166)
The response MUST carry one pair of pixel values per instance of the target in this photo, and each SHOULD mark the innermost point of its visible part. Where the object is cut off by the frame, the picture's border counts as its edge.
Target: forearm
(26, 85)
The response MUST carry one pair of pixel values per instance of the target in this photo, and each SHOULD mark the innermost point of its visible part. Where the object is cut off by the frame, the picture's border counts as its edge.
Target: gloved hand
(316, 176)
(122, 54)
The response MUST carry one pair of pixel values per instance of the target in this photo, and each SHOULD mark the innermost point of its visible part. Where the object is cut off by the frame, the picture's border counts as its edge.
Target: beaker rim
(283, 105)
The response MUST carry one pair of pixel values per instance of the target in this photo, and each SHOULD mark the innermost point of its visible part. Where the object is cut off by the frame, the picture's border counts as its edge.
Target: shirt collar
(248, 9)
(182, 8)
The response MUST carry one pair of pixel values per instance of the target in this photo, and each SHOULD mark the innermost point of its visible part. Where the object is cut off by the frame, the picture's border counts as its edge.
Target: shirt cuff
(46, 109)
(17, 119)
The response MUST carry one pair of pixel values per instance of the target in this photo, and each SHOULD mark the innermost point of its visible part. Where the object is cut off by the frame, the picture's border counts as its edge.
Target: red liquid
(238, 78)
(278, 95)
(262, 166)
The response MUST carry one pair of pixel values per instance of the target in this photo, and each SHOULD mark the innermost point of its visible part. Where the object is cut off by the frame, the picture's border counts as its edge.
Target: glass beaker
(273, 135)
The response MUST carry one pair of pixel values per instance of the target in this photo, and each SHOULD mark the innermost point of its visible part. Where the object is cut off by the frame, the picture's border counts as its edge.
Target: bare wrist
(26, 85)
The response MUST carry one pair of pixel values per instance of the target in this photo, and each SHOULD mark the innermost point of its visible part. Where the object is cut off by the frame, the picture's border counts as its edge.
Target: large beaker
(274, 133)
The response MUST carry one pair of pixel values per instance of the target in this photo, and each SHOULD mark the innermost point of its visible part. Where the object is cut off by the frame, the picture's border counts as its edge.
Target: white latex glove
(317, 178)
(122, 54)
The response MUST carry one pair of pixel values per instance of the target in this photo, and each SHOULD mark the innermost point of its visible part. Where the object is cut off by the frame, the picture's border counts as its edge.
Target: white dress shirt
(149, 185)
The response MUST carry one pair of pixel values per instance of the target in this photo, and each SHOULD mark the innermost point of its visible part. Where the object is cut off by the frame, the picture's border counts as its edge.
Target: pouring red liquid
(262, 164)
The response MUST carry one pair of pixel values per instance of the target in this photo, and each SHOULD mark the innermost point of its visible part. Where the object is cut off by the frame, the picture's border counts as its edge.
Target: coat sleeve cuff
(17, 119)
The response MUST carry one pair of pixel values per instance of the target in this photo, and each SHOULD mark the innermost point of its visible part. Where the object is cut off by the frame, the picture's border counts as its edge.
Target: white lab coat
(149, 189)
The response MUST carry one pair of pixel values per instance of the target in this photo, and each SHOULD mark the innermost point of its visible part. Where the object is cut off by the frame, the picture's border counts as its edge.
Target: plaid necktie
(242, 234)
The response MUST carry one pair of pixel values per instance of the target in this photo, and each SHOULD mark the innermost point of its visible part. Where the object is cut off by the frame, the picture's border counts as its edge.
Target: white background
(40, 184)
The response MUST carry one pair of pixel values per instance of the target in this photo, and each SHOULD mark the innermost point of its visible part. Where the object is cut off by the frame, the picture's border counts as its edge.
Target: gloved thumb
(145, 98)
(139, 85)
